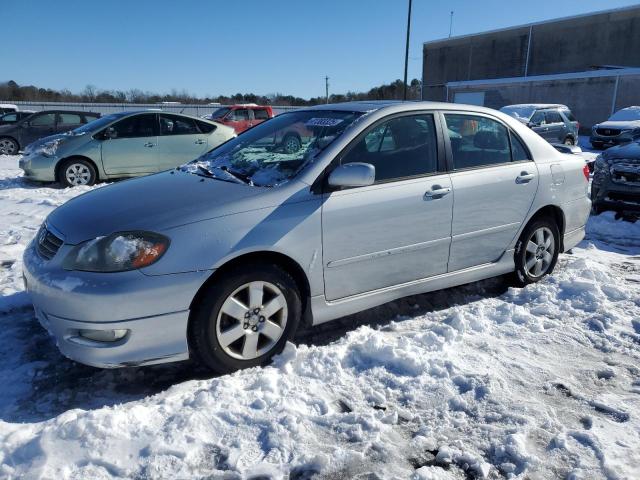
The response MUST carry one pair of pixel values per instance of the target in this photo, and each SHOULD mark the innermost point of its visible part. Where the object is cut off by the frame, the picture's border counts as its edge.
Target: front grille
(608, 132)
(47, 243)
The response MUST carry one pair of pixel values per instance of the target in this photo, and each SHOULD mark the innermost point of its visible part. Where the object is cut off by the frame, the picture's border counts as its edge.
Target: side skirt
(324, 311)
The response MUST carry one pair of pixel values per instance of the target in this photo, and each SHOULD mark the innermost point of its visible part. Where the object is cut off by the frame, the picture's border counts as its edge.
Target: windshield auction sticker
(323, 122)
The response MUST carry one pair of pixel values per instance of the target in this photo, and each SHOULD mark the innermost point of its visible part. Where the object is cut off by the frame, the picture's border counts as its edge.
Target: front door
(40, 125)
(180, 141)
(556, 132)
(398, 229)
(494, 182)
(134, 146)
(539, 122)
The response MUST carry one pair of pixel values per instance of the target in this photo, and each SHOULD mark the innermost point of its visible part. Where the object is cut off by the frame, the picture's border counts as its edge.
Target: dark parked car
(553, 122)
(622, 127)
(14, 117)
(16, 136)
(616, 179)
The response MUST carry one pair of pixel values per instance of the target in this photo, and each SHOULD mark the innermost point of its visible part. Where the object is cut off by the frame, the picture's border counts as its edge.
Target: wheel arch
(554, 212)
(269, 257)
(80, 157)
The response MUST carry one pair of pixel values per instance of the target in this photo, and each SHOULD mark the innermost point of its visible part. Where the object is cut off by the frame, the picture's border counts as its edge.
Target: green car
(127, 144)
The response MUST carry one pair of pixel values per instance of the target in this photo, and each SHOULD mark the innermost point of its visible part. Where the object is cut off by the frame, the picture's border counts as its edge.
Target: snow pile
(480, 381)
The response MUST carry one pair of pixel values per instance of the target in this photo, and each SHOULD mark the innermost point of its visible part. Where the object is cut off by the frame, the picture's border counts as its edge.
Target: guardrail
(196, 110)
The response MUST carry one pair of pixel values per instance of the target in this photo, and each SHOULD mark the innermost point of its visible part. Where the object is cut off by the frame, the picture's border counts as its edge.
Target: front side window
(538, 118)
(239, 115)
(136, 126)
(44, 120)
(69, 119)
(175, 125)
(9, 117)
(477, 141)
(262, 157)
(553, 117)
(398, 148)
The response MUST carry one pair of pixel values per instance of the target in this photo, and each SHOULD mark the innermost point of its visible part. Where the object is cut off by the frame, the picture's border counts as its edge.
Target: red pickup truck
(242, 117)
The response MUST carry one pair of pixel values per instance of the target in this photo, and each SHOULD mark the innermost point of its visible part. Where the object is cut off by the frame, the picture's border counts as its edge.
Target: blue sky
(212, 47)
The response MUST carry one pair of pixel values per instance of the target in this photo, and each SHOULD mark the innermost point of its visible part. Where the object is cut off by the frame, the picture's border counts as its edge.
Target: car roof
(68, 111)
(368, 106)
(538, 106)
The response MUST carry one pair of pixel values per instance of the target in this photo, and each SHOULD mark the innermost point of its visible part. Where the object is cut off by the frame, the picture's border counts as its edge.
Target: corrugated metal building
(589, 62)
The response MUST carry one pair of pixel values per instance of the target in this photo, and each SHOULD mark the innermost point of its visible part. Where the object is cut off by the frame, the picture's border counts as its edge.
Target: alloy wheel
(8, 147)
(77, 174)
(539, 252)
(251, 320)
(292, 144)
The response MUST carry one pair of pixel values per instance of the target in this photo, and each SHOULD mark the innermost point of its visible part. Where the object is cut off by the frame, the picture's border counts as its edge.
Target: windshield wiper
(239, 176)
(209, 174)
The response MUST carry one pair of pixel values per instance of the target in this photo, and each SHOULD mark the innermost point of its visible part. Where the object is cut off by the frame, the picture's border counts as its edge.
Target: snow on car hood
(621, 125)
(626, 152)
(153, 203)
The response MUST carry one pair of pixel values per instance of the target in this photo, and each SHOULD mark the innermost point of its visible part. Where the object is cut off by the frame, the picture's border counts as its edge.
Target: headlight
(49, 149)
(118, 252)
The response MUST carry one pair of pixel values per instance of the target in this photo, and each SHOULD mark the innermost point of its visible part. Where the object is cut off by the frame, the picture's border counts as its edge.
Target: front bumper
(154, 309)
(616, 196)
(38, 167)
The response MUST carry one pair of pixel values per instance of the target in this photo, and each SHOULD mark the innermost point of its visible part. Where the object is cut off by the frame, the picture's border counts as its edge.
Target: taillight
(585, 170)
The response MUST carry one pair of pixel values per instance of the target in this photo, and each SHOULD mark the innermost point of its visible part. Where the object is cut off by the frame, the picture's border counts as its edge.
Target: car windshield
(626, 114)
(219, 113)
(274, 151)
(520, 112)
(96, 124)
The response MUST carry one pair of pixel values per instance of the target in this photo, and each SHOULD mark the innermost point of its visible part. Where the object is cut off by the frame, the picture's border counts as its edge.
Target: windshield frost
(274, 151)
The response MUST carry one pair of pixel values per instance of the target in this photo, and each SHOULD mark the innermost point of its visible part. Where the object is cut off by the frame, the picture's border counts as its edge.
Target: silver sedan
(222, 259)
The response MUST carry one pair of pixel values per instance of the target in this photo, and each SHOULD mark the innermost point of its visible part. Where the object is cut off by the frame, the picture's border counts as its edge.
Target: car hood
(41, 141)
(619, 125)
(155, 203)
(628, 151)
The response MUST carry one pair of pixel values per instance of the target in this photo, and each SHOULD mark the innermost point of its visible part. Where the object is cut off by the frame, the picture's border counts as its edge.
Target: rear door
(398, 229)
(494, 184)
(133, 150)
(68, 121)
(180, 141)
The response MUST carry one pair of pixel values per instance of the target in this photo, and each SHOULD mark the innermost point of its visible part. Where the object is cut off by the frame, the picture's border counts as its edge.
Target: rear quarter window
(205, 127)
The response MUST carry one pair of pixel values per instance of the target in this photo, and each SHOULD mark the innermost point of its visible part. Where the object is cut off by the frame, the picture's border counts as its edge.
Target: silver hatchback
(223, 259)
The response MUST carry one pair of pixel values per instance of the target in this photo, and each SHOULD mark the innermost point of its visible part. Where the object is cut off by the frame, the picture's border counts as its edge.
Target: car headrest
(488, 140)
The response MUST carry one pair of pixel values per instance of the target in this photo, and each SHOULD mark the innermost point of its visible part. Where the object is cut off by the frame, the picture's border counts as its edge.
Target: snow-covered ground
(480, 381)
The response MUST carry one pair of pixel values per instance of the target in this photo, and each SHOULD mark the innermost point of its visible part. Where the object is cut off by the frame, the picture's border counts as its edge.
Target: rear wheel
(77, 171)
(291, 143)
(569, 141)
(8, 146)
(245, 318)
(536, 251)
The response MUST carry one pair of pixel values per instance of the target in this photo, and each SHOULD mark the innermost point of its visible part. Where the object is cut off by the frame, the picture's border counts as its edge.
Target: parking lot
(479, 381)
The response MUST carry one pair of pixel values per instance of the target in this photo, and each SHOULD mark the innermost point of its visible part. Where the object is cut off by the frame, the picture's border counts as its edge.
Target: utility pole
(451, 24)
(326, 87)
(406, 52)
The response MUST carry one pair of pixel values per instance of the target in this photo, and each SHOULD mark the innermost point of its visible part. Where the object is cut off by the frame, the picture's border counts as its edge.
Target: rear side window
(137, 126)
(260, 114)
(205, 127)
(175, 125)
(90, 118)
(553, 117)
(10, 117)
(477, 141)
(569, 115)
(398, 148)
(69, 119)
(518, 152)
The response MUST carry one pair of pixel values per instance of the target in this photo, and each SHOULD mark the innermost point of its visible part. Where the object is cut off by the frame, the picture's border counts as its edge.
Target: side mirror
(532, 124)
(353, 175)
(109, 133)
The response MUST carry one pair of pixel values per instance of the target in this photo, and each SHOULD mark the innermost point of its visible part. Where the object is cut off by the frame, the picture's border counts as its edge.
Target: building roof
(533, 24)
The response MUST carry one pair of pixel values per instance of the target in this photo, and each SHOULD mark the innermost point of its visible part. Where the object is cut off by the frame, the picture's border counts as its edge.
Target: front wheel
(291, 143)
(245, 318)
(8, 146)
(569, 141)
(76, 171)
(537, 251)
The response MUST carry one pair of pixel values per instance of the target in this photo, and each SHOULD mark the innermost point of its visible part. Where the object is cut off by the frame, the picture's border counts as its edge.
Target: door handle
(149, 144)
(199, 141)
(525, 177)
(436, 192)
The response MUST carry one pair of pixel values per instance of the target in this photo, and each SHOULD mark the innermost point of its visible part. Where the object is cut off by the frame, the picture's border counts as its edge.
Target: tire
(291, 143)
(536, 256)
(569, 141)
(225, 335)
(77, 171)
(8, 146)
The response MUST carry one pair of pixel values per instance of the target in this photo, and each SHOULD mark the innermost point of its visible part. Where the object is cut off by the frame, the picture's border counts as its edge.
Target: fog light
(103, 335)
